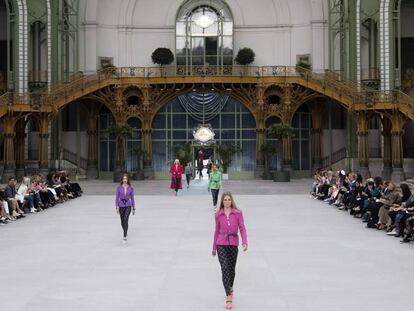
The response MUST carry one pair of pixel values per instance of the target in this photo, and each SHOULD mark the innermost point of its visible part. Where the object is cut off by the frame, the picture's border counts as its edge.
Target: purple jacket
(226, 232)
(122, 199)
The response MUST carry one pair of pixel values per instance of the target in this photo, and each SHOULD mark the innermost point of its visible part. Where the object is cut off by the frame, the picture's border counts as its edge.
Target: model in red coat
(176, 171)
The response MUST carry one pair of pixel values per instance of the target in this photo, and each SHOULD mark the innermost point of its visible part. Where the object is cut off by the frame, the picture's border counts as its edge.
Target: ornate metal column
(147, 146)
(287, 119)
(44, 144)
(9, 160)
(19, 150)
(363, 155)
(260, 131)
(92, 169)
(397, 132)
(387, 154)
(316, 112)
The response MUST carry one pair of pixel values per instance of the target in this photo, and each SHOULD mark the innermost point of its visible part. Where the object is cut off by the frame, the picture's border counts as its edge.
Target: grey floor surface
(303, 256)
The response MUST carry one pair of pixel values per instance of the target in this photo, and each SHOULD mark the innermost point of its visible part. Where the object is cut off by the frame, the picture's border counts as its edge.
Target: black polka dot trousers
(227, 256)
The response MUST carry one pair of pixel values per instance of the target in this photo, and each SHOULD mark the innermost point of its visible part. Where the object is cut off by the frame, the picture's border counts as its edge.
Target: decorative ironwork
(158, 86)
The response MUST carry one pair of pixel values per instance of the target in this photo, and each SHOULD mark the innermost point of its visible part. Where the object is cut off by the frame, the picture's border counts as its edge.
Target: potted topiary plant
(225, 153)
(281, 131)
(108, 70)
(162, 57)
(244, 57)
(121, 131)
(268, 150)
(140, 153)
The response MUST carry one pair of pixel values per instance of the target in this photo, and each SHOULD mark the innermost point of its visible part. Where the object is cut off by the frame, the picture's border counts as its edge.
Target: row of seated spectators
(380, 204)
(35, 194)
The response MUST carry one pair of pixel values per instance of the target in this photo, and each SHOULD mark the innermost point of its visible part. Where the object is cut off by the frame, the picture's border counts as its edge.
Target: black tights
(124, 213)
(227, 256)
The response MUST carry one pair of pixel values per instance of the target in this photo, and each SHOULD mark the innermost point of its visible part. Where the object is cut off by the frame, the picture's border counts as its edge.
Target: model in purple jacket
(229, 221)
(124, 202)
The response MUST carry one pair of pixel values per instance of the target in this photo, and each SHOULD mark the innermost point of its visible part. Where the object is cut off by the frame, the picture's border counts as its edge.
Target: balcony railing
(335, 81)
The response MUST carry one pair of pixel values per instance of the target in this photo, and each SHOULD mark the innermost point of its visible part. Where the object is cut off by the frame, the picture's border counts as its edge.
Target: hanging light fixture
(204, 20)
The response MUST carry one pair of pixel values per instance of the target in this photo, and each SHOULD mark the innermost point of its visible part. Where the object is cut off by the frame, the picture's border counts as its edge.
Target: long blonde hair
(233, 204)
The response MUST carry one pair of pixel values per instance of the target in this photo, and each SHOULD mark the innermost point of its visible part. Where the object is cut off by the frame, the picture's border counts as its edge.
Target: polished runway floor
(303, 256)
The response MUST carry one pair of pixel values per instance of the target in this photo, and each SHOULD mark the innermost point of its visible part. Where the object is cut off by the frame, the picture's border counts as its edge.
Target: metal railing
(72, 157)
(334, 81)
(335, 157)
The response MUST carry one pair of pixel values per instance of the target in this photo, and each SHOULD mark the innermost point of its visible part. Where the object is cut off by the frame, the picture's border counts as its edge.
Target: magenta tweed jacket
(226, 232)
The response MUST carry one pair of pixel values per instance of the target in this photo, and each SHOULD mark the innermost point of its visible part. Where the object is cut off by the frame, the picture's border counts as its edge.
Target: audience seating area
(35, 194)
(380, 204)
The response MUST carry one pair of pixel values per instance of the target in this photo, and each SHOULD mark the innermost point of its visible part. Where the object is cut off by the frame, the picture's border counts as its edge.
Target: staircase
(70, 164)
(335, 157)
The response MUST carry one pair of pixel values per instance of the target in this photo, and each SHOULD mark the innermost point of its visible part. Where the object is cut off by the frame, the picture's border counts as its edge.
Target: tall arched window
(204, 33)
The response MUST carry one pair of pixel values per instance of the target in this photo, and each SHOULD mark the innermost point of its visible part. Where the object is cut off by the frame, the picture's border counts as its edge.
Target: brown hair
(122, 179)
(233, 204)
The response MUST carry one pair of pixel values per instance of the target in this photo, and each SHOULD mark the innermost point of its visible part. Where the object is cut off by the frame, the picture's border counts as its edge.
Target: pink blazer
(226, 232)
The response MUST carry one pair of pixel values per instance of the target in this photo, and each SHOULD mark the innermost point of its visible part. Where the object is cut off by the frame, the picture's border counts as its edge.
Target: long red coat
(176, 171)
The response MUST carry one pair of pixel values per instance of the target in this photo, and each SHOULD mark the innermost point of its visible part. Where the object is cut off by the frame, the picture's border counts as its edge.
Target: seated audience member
(400, 213)
(26, 194)
(10, 192)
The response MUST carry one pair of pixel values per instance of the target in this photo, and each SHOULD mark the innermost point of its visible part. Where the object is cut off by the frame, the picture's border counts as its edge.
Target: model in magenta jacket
(226, 232)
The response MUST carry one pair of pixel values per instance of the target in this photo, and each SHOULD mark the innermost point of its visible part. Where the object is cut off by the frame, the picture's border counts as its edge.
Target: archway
(230, 120)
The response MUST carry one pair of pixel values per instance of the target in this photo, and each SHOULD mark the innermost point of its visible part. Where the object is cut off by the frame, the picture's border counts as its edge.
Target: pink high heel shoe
(229, 305)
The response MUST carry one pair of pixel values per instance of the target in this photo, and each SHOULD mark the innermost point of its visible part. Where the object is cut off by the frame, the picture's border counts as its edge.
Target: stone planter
(138, 175)
(118, 175)
(281, 176)
(267, 175)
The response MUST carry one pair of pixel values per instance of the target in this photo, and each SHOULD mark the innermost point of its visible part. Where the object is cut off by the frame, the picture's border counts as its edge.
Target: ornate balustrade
(333, 84)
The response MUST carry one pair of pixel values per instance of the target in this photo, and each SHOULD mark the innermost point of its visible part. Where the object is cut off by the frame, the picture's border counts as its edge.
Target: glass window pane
(229, 106)
(248, 121)
(215, 123)
(198, 61)
(134, 122)
(159, 121)
(158, 134)
(179, 121)
(304, 134)
(197, 46)
(227, 46)
(180, 47)
(103, 154)
(305, 155)
(249, 134)
(305, 120)
(296, 155)
(181, 61)
(228, 121)
(296, 121)
(112, 155)
(180, 28)
(228, 134)
(103, 121)
(228, 28)
(228, 60)
(179, 134)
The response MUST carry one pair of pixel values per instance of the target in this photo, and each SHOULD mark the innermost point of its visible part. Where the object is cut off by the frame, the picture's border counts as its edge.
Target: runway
(303, 256)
